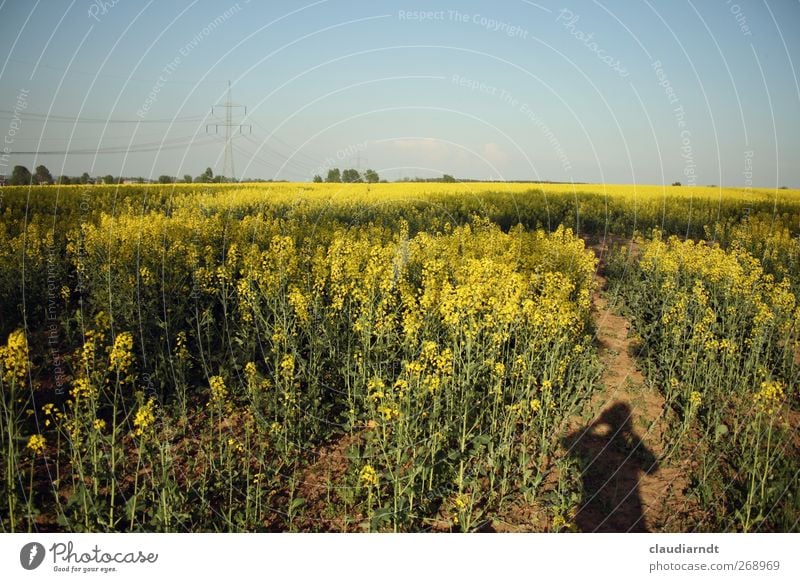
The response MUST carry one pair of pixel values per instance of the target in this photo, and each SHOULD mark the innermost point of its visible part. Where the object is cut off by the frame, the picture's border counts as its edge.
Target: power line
(31, 116)
(126, 78)
(289, 162)
(139, 148)
(227, 165)
(296, 152)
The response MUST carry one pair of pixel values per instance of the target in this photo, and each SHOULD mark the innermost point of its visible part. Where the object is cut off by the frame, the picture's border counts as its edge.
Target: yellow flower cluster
(219, 392)
(14, 357)
(121, 357)
(701, 284)
(287, 367)
(301, 304)
(144, 419)
(36, 444)
(82, 389)
(51, 414)
(433, 367)
(368, 476)
(770, 397)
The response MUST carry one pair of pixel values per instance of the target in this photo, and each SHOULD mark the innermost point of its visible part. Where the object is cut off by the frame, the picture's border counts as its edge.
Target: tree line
(22, 176)
(350, 176)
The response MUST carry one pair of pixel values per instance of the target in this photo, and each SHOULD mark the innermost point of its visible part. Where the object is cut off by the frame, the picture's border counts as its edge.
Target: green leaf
(482, 440)
(380, 516)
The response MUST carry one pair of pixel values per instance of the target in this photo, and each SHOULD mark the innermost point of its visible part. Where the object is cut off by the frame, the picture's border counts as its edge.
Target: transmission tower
(230, 129)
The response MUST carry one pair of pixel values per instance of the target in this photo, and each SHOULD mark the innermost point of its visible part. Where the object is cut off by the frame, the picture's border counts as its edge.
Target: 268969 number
(749, 565)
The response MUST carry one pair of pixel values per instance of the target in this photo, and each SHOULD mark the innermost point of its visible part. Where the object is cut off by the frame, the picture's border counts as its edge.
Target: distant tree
(20, 176)
(351, 176)
(85, 178)
(65, 180)
(783, 188)
(317, 179)
(334, 175)
(108, 179)
(371, 176)
(676, 183)
(42, 175)
(164, 179)
(448, 178)
(187, 178)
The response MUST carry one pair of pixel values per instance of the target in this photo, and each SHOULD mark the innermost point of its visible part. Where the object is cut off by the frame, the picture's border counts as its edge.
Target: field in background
(387, 357)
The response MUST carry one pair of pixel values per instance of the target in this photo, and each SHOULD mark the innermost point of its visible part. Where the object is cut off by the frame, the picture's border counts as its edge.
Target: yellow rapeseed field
(180, 357)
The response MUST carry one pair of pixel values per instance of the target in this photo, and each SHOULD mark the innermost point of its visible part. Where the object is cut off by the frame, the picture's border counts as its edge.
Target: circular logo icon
(31, 555)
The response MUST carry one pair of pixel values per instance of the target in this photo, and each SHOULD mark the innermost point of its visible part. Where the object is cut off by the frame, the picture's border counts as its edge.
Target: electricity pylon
(227, 165)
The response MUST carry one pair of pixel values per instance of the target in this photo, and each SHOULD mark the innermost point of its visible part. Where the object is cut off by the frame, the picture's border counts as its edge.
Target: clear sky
(696, 91)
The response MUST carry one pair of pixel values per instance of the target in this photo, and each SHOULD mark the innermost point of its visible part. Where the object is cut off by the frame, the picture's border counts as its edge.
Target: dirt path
(619, 441)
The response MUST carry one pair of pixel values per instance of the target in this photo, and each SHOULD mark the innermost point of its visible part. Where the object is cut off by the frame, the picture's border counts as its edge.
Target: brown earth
(619, 441)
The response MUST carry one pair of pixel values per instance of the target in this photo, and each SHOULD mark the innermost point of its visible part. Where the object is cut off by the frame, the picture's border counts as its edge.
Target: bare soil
(619, 441)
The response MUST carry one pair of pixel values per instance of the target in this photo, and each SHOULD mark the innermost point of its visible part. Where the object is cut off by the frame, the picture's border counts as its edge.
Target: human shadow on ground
(612, 458)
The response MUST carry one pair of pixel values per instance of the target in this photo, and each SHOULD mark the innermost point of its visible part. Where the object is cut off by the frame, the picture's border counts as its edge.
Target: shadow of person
(611, 458)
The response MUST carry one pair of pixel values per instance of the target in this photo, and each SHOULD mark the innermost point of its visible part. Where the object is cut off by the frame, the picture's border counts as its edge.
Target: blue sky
(616, 91)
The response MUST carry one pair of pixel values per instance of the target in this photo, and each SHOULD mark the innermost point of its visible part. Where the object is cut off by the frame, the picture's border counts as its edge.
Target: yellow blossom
(14, 357)
(145, 418)
(121, 356)
(461, 502)
(82, 388)
(287, 366)
(219, 392)
(368, 476)
(36, 444)
(770, 397)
